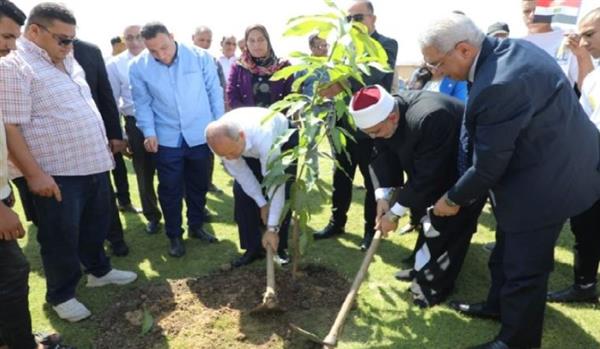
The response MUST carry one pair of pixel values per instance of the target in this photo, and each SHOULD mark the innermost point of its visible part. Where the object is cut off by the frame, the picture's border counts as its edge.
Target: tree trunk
(296, 247)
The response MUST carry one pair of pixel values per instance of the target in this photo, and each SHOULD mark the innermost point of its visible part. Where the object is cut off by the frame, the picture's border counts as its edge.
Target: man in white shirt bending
(246, 145)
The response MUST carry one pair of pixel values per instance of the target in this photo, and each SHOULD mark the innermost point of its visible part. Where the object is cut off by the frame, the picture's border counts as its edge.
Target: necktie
(463, 160)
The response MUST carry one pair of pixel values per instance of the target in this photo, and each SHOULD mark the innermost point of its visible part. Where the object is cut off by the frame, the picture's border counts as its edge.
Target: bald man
(247, 145)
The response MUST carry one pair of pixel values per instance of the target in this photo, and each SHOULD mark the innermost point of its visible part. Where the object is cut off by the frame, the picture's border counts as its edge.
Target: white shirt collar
(471, 77)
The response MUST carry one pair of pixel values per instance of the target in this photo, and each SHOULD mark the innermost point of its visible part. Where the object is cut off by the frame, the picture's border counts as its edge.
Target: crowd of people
(485, 119)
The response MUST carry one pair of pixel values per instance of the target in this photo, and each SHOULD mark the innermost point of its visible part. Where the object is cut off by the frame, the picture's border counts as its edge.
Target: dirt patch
(213, 311)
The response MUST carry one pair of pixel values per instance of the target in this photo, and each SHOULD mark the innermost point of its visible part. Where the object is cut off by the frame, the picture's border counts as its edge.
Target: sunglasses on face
(359, 17)
(60, 39)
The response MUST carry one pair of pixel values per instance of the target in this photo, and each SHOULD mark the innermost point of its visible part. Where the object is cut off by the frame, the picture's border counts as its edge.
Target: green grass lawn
(385, 317)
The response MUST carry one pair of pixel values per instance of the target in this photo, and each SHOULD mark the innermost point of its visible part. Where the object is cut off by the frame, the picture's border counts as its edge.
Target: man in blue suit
(527, 143)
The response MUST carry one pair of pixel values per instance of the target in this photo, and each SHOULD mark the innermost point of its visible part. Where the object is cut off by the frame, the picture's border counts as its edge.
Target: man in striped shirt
(56, 138)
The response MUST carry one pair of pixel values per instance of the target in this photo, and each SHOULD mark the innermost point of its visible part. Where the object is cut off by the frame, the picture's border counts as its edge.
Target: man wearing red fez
(416, 132)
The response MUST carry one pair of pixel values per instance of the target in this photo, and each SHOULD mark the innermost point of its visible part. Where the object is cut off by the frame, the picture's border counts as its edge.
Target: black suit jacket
(386, 80)
(424, 146)
(533, 147)
(375, 77)
(90, 59)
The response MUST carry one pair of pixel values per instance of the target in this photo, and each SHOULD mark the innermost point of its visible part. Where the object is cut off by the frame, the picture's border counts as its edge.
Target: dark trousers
(360, 155)
(145, 167)
(121, 183)
(179, 168)
(247, 213)
(519, 266)
(72, 232)
(447, 250)
(15, 320)
(586, 228)
(115, 232)
(211, 168)
(26, 199)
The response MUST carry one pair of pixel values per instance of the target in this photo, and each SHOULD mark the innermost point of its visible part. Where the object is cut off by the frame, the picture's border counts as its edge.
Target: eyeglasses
(438, 65)
(359, 17)
(61, 40)
(131, 38)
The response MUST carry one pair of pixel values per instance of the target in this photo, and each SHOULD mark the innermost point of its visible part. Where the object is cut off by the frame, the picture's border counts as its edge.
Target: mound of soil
(214, 311)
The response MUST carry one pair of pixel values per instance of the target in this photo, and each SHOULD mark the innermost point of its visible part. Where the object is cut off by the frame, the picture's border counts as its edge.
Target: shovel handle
(270, 272)
(331, 339)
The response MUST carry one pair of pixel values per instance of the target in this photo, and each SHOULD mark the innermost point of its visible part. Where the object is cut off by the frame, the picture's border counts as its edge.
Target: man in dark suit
(417, 132)
(527, 143)
(359, 152)
(90, 58)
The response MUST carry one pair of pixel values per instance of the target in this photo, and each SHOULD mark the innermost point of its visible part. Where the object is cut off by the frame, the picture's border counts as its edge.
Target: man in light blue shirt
(176, 93)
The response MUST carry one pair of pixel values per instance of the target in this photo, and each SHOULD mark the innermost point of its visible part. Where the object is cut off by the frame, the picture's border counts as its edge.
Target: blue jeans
(182, 172)
(71, 233)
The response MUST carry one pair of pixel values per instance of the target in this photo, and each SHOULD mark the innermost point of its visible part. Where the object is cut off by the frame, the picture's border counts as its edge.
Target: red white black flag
(557, 11)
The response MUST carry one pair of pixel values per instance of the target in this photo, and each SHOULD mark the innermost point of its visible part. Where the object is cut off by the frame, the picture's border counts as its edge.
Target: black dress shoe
(282, 257)
(479, 310)
(574, 293)
(366, 242)
(247, 258)
(152, 227)
(496, 344)
(405, 275)
(201, 234)
(119, 249)
(177, 248)
(330, 231)
(128, 208)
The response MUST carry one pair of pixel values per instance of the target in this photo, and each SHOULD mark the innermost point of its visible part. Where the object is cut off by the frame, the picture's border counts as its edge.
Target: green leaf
(307, 25)
(288, 71)
(147, 322)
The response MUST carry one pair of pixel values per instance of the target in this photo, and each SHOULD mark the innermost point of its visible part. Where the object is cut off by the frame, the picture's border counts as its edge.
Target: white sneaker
(72, 310)
(114, 276)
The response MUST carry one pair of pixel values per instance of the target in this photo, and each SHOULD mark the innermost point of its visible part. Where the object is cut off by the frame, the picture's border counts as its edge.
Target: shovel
(330, 340)
(269, 303)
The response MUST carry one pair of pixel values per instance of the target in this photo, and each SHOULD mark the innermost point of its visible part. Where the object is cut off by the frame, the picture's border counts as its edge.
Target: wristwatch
(392, 217)
(273, 228)
(449, 202)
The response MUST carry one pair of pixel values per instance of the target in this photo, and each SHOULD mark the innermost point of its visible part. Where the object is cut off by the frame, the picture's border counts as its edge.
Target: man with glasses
(143, 161)
(416, 132)
(228, 45)
(359, 152)
(57, 139)
(203, 39)
(514, 149)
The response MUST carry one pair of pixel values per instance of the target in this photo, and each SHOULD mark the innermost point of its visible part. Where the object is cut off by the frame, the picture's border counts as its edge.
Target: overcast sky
(99, 21)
